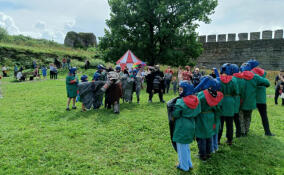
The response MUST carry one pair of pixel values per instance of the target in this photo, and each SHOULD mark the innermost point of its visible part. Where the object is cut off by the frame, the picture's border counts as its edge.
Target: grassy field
(37, 136)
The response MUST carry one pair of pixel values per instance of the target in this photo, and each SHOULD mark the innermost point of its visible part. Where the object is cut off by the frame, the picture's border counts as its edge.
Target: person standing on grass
(238, 76)
(180, 71)
(175, 83)
(68, 63)
(118, 70)
(83, 97)
(186, 109)
(71, 87)
(155, 83)
(44, 71)
(36, 73)
(261, 102)
(210, 99)
(64, 63)
(168, 78)
(51, 71)
(229, 87)
(251, 83)
(138, 80)
(4, 71)
(279, 83)
(15, 70)
(100, 75)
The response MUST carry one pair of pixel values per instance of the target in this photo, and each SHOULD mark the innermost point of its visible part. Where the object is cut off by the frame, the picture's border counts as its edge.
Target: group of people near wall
(200, 112)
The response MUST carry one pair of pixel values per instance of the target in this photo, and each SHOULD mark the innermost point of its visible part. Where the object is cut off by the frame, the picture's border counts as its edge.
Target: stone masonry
(267, 50)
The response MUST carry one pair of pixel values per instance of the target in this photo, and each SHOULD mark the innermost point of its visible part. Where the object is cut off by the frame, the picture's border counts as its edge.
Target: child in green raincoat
(186, 109)
(71, 87)
(210, 100)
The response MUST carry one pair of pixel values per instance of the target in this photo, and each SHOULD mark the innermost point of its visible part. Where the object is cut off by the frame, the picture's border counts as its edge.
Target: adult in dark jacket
(196, 77)
(155, 83)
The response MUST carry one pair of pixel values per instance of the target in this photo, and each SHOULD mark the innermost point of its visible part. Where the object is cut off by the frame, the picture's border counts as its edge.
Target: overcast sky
(51, 19)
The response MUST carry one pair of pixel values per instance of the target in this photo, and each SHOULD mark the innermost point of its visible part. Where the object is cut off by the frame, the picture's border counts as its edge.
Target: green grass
(45, 49)
(37, 136)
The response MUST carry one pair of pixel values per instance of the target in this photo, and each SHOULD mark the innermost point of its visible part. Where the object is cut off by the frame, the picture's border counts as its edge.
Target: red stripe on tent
(122, 65)
(129, 58)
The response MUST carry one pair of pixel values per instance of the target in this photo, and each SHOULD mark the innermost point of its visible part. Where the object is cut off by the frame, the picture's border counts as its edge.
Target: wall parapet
(264, 35)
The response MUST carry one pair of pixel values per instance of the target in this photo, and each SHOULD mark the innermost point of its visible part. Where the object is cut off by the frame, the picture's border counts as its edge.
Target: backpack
(156, 82)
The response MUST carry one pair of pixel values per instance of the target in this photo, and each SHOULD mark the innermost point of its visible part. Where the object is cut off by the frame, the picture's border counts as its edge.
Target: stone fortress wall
(267, 47)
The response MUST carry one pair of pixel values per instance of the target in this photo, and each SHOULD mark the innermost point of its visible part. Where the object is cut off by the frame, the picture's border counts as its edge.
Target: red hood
(248, 75)
(191, 101)
(238, 75)
(258, 71)
(213, 101)
(226, 78)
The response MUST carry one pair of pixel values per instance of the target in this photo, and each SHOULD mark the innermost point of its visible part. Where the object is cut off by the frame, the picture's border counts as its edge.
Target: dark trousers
(175, 89)
(55, 75)
(277, 94)
(160, 96)
(229, 128)
(204, 146)
(237, 124)
(167, 86)
(51, 74)
(4, 74)
(262, 109)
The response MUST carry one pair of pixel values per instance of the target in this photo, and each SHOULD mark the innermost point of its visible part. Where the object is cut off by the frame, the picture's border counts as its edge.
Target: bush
(95, 62)
(3, 34)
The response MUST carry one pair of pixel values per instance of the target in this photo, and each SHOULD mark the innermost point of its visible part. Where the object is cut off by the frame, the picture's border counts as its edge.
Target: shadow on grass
(100, 115)
(254, 154)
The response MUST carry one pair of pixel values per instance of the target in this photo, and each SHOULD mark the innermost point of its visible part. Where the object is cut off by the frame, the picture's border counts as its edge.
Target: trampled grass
(37, 136)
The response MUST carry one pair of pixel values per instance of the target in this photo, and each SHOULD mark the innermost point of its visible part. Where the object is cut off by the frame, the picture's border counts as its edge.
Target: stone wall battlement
(267, 47)
(267, 34)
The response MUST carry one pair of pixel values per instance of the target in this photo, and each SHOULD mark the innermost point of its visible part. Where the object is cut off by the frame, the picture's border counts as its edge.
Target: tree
(3, 34)
(159, 31)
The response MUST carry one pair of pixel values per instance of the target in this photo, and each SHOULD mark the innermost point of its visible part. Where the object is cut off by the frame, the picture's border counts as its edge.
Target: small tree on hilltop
(159, 31)
(3, 34)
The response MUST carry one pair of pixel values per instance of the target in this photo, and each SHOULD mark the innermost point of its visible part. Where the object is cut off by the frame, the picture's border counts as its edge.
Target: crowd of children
(201, 111)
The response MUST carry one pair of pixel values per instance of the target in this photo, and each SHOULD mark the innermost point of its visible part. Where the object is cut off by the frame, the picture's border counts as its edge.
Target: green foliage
(158, 31)
(3, 34)
(39, 137)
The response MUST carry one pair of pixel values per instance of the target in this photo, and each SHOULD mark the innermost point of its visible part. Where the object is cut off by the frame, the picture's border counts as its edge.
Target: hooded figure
(118, 70)
(248, 96)
(114, 92)
(127, 88)
(229, 87)
(85, 93)
(138, 80)
(100, 78)
(208, 121)
(187, 107)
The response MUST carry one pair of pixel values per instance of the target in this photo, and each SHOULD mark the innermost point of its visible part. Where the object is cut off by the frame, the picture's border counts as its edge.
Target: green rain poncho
(71, 86)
